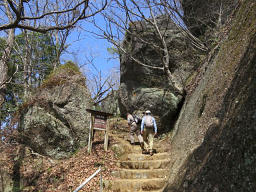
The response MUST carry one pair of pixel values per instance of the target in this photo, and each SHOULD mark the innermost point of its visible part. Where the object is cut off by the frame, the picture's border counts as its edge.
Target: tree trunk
(27, 62)
(57, 49)
(4, 65)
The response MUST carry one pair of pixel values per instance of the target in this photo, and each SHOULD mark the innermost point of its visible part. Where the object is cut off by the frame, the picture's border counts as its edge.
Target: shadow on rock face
(163, 104)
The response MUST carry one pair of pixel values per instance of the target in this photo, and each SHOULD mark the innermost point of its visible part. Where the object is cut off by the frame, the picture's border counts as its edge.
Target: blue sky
(85, 45)
(88, 45)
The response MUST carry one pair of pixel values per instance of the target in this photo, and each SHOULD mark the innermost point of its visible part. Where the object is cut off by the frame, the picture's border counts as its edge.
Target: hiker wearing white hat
(148, 130)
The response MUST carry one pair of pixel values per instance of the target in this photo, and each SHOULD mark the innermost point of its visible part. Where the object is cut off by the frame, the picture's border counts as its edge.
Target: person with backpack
(133, 122)
(149, 131)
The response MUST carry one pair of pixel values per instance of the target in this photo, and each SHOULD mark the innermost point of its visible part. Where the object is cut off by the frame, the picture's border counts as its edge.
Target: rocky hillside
(204, 18)
(213, 146)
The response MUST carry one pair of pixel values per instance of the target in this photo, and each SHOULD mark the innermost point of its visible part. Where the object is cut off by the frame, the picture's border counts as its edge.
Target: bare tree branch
(40, 16)
(100, 84)
(19, 14)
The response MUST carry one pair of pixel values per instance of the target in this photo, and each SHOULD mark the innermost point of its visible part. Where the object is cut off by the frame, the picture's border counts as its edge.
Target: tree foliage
(42, 53)
(41, 58)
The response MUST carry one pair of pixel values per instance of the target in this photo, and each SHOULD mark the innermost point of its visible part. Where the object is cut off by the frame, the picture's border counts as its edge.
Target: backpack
(137, 119)
(148, 121)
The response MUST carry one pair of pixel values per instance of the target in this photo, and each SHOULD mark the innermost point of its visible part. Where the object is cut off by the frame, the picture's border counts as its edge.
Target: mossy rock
(60, 75)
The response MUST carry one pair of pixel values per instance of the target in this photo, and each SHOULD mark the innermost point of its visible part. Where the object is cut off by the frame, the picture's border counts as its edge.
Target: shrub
(61, 74)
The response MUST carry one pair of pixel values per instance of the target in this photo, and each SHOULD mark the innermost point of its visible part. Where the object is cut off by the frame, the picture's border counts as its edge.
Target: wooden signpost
(98, 121)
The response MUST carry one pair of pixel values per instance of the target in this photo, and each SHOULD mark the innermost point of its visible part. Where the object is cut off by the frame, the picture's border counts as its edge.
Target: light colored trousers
(134, 130)
(148, 137)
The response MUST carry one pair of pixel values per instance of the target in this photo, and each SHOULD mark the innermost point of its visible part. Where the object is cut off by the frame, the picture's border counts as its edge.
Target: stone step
(136, 148)
(146, 164)
(160, 190)
(141, 157)
(140, 173)
(134, 185)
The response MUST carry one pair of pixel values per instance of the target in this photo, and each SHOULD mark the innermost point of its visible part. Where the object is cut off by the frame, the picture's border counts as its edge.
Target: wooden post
(93, 121)
(90, 135)
(106, 136)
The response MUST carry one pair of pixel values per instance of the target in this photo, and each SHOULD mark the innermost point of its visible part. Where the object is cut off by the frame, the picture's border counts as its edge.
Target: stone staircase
(139, 172)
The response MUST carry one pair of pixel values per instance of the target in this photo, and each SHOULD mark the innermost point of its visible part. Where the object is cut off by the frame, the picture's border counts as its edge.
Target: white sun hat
(147, 112)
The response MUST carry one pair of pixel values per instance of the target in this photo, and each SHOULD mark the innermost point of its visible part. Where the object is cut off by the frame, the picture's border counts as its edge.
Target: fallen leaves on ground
(68, 174)
(40, 173)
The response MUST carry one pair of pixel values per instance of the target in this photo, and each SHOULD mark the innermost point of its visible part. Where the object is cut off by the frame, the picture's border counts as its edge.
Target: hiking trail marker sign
(99, 122)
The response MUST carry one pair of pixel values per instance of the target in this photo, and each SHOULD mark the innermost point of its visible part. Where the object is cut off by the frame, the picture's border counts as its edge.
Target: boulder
(54, 121)
(143, 88)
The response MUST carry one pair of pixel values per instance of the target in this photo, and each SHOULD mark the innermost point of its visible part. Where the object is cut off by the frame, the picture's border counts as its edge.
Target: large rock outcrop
(214, 146)
(55, 121)
(145, 88)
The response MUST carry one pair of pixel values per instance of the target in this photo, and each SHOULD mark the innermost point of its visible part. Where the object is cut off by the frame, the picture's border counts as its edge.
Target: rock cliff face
(145, 88)
(202, 16)
(214, 146)
(55, 121)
